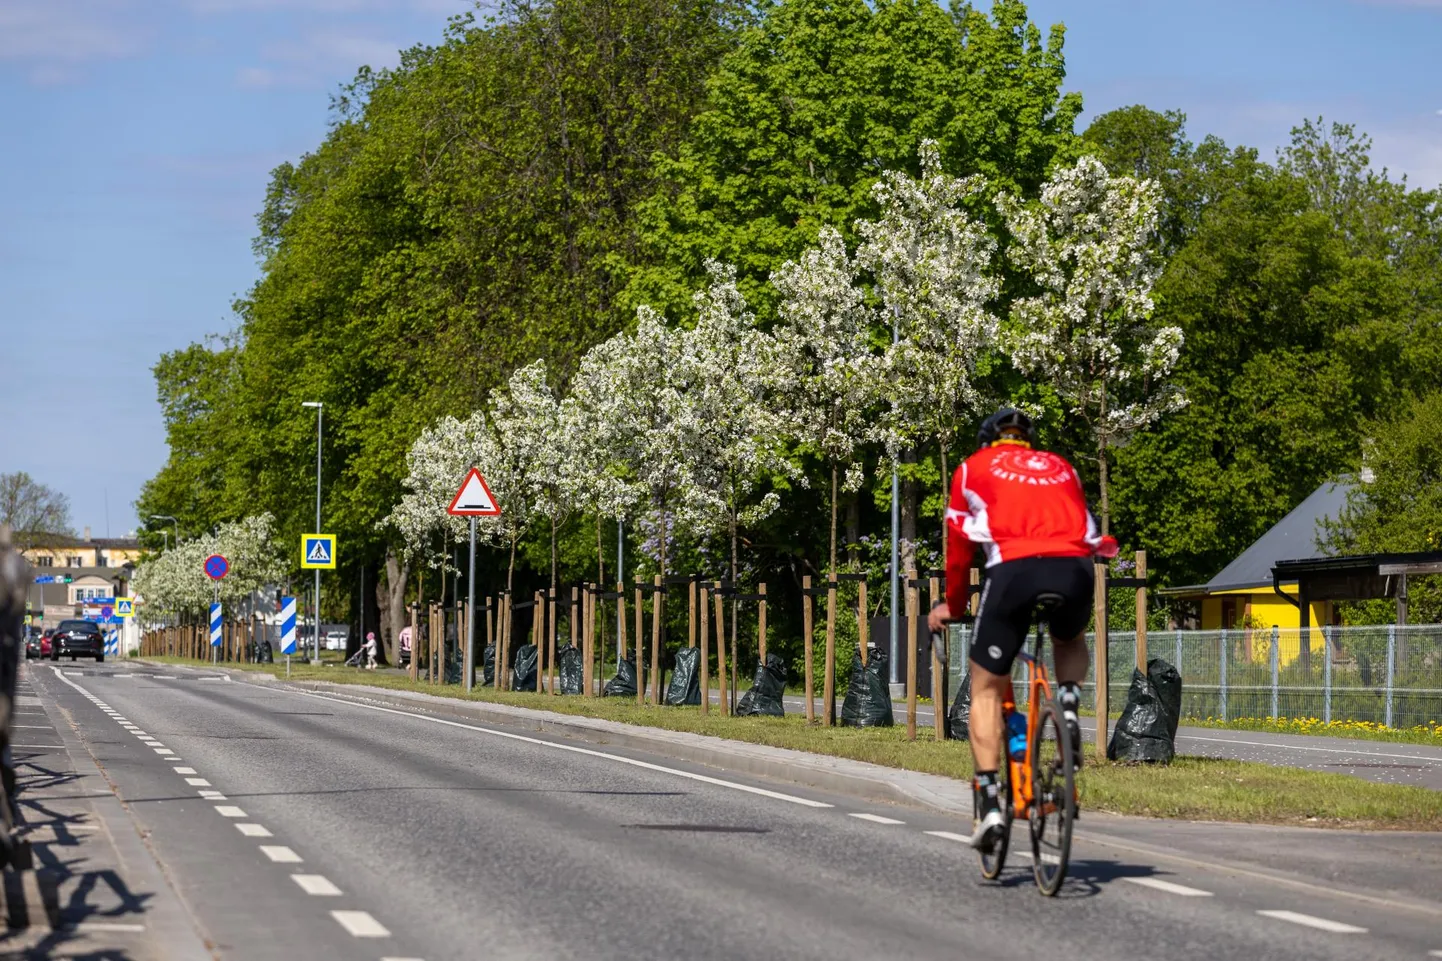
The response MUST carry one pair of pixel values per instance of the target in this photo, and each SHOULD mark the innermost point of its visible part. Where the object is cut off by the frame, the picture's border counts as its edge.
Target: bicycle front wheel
(1053, 780)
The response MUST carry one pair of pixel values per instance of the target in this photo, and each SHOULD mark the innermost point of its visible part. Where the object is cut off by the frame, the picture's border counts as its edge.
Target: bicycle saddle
(1046, 602)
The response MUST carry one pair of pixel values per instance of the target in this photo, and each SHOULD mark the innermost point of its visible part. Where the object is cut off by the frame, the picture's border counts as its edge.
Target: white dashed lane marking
(185, 770)
(1307, 920)
(875, 818)
(197, 782)
(1167, 886)
(950, 836)
(229, 811)
(360, 924)
(107, 926)
(254, 831)
(280, 854)
(316, 884)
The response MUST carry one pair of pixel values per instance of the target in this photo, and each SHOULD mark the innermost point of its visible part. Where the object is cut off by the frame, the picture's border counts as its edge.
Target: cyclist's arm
(959, 548)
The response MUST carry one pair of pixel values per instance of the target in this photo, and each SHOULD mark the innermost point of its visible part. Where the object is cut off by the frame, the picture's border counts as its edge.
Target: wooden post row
(721, 651)
(828, 705)
(658, 608)
(1141, 573)
(702, 596)
(640, 658)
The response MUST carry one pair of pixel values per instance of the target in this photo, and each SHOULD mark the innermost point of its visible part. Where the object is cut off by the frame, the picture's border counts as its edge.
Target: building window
(75, 561)
(43, 560)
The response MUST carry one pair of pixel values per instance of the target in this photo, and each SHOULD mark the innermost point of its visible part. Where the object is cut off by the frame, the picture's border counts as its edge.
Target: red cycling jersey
(1015, 502)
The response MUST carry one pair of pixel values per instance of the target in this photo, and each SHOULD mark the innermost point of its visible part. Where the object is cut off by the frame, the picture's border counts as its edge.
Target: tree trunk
(853, 530)
(834, 469)
(553, 556)
(391, 600)
(945, 497)
(907, 533)
(1102, 477)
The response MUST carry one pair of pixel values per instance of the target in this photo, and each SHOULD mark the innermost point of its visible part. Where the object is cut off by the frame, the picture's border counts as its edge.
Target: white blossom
(175, 582)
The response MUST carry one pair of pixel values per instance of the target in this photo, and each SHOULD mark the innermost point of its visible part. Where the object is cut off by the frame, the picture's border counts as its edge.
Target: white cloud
(319, 59)
(52, 39)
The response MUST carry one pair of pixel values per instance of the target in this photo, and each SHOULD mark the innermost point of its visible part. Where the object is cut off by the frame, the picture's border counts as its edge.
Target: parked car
(45, 638)
(32, 646)
(78, 639)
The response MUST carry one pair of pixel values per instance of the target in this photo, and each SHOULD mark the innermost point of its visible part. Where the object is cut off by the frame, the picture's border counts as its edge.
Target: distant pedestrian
(369, 647)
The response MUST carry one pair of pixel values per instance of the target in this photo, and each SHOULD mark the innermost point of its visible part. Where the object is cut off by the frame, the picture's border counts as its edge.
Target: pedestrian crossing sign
(125, 607)
(317, 551)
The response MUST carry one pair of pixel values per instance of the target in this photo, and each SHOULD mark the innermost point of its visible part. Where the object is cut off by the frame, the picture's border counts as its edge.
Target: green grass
(1430, 734)
(1191, 788)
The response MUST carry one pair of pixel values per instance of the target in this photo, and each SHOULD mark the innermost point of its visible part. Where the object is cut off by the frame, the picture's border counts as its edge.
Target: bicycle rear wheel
(993, 862)
(1053, 781)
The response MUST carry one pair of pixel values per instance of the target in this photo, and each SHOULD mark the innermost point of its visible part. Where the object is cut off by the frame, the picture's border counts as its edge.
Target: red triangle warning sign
(474, 499)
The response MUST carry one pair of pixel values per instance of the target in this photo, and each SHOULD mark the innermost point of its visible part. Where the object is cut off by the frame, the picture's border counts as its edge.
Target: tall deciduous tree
(1088, 246)
(30, 509)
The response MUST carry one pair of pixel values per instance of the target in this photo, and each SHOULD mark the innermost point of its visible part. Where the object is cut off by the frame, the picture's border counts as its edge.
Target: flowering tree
(175, 582)
(731, 370)
(1089, 247)
(634, 395)
(827, 373)
(931, 264)
(527, 419)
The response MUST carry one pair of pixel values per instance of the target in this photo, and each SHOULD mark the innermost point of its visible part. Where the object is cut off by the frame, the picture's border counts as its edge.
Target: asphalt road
(294, 825)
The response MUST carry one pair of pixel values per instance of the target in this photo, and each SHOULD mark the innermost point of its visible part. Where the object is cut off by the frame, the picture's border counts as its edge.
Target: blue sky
(139, 135)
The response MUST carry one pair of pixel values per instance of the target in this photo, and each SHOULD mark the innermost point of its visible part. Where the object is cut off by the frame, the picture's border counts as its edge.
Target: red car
(38, 646)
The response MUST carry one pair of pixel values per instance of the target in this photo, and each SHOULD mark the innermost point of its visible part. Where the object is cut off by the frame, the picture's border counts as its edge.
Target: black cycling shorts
(1004, 618)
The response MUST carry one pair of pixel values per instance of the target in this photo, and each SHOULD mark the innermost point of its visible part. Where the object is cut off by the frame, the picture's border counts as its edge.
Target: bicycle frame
(1038, 692)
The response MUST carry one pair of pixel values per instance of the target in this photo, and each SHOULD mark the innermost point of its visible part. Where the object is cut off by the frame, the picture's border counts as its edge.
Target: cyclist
(1026, 509)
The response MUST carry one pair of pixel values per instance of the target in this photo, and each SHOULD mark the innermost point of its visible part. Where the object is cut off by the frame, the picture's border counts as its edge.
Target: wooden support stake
(702, 597)
(555, 628)
(721, 653)
(911, 655)
(807, 629)
(863, 624)
(640, 652)
(658, 610)
(1100, 669)
(691, 613)
(938, 667)
(761, 624)
(588, 639)
(538, 633)
(621, 621)
(1142, 613)
(415, 647)
(828, 706)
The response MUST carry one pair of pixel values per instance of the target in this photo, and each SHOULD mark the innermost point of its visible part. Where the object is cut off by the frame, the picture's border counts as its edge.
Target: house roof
(1294, 537)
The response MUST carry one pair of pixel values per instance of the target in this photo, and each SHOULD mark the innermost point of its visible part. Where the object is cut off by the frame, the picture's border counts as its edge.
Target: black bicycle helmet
(1008, 418)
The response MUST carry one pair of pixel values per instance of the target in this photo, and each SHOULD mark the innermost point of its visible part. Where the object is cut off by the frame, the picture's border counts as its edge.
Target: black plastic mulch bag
(959, 717)
(488, 665)
(571, 664)
(868, 696)
(1147, 730)
(523, 675)
(764, 698)
(266, 653)
(624, 683)
(685, 686)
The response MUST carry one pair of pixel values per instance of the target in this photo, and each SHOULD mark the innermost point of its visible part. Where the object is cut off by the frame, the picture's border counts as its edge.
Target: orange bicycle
(1040, 788)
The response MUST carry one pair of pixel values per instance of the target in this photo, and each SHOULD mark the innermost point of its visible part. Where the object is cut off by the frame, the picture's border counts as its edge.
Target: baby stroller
(358, 659)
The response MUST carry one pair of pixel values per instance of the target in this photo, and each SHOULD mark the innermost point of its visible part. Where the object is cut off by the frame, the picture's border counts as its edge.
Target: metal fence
(1388, 674)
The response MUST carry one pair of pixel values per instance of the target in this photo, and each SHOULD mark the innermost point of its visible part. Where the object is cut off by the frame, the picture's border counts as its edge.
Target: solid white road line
(964, 839)
(1169, 887)
(1321, 924)
(875, 818)
(360, 924)
(229, 811)
(316, 884)
(645, 765)
(280, 854)
(254, 831)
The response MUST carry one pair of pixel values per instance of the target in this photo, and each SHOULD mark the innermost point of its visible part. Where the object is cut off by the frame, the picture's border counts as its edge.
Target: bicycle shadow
(1085, 878)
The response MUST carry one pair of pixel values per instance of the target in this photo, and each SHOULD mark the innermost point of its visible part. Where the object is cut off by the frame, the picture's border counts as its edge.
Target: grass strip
(1192, 788)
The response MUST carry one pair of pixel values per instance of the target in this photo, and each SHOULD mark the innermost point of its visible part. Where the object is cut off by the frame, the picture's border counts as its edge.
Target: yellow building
(64, 550)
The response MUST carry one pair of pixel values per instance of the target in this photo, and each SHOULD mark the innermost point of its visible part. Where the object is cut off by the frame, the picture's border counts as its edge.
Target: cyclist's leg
(1001, 629)
(1073, 579)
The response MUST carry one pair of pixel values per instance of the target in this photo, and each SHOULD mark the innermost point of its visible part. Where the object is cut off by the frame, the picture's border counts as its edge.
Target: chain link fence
(1389, 674)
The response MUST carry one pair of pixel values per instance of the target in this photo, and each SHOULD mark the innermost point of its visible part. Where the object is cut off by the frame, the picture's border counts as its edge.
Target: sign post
(317, 552)
(216, 567)
(473, 500)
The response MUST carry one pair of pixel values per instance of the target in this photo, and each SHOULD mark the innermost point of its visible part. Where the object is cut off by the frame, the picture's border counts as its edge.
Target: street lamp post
(173, 521)
(895, 624)
(319, 417)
